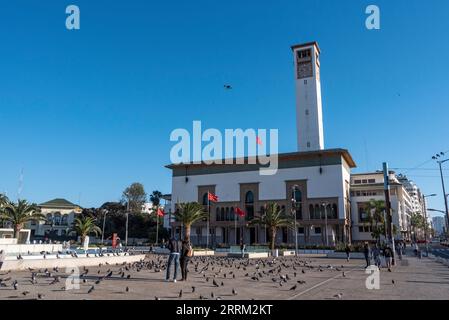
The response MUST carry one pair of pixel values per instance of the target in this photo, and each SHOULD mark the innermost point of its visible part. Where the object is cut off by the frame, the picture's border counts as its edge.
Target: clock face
(305, 70)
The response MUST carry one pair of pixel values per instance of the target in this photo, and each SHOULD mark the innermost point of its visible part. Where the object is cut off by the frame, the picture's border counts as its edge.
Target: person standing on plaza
(388, 253)
(174, 247)
(366, 252)
(186, 254)
(376, 256)
(348, 252)
(242, 248)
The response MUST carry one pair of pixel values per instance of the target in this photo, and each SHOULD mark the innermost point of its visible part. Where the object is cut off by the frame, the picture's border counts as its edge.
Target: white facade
(323, 191)
(60, 215)
(438, 224)
(309, 115)
(367, 186)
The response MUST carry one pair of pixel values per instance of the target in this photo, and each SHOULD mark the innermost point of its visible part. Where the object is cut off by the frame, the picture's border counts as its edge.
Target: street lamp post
(440, 162)
(325, 222)
(105, 212)
(294, 216)
(126, 229)
(425, 223)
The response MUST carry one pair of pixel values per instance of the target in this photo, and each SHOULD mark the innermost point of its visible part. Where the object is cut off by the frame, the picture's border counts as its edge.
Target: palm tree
(376, 209)
(3, 200)
(273, 219)
(84, 226)
(417, 221)
(188, 214)
(20, 213)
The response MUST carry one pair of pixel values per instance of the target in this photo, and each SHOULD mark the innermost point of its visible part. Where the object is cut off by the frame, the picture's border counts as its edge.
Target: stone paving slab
(414, 279)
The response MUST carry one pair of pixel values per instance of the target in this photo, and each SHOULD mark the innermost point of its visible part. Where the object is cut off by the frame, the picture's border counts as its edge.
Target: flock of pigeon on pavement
(209, 277)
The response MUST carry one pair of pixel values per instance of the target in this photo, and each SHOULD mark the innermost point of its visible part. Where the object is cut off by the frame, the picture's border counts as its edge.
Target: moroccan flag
(212, 197)
(160, 212)
(240, 212)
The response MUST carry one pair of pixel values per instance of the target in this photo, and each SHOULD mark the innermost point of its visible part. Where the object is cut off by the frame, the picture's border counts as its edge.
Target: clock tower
(309, 115)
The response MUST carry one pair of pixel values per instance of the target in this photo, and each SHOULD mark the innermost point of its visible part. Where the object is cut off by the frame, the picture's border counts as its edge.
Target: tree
(376, 209)
(85, 225)
(3, 200)
(155, 198)
(135, 196)
(188, 214)
(417, 221)
(273, 218)
(20, 213)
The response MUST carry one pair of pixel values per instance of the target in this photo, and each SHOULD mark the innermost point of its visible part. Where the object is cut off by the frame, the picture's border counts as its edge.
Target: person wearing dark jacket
(366, 252)
(186, 253)
(175, 248)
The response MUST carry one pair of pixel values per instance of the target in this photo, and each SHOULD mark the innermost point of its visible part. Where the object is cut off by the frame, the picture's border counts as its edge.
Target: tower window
(307, 112)
(308, 144)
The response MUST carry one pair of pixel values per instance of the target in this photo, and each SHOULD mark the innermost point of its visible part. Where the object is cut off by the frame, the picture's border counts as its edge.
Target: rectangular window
(364, 181)
(371, 181)
(301, 230)
(317, 230)
(357, 181)
(361, 229)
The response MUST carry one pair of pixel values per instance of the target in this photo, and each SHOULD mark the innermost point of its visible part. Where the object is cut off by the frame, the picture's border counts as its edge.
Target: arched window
(57, 218)
(227, 218)
(249, 197)
(329, 211)
(222, 215)
(232, 213)
(317, 212)
(334, 211)
(64, 220)
(311, 211)
(249, 205)
(217, 214)
(49, 218)
(205, 199)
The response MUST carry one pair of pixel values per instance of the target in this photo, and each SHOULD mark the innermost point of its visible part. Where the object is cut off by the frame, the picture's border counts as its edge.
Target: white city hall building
(318, 180)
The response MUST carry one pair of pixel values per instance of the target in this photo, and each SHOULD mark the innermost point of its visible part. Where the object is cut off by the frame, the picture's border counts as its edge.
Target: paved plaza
(285, 278)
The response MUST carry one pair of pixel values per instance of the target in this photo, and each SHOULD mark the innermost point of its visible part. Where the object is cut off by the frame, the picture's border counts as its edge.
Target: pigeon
(15, 285)
(234, 292)
(343, 274)
(338, 296)
(212, 295)
(215, 283)
(127, 289)
(303, 271)
(392, 281)
(301, 281)
(25, 293)
(294, 287)
(157, 298)
(40, 296)
(193, 289)
(180, 293)
(91, 289)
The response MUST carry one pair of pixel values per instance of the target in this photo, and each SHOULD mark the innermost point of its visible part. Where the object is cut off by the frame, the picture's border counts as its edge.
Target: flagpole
(157, 225)
(208, 214)
(235, 226)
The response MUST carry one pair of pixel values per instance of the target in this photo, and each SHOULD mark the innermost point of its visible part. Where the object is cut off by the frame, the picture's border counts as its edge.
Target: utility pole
(388, 210)
(126, 229)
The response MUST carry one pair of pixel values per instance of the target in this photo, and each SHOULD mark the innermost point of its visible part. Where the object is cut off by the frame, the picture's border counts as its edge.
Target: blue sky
(87, 112)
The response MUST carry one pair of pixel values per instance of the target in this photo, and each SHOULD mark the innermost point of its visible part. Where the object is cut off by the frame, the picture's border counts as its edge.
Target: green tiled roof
(58, 203)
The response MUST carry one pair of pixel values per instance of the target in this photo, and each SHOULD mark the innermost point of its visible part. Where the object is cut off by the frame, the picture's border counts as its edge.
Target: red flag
(160, 212)
(240, 212)
(258, 141)
(212, 197)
